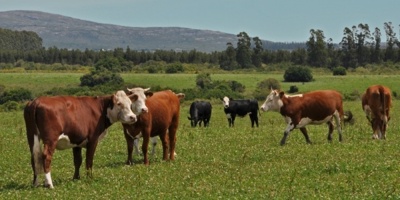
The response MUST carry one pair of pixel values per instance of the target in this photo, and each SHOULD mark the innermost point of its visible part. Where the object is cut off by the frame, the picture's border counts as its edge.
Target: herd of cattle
(62, 122)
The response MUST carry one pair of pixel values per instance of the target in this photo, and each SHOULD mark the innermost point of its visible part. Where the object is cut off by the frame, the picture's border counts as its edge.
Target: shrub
(17, 95)
(264, 88)
(298, 74)
(10, 106)
(339, 71)
(293, 89)
(174, 68)
(101, 78)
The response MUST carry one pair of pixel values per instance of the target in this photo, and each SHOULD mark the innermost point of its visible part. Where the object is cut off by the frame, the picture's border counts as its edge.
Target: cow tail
(33, 136)
(383, 101)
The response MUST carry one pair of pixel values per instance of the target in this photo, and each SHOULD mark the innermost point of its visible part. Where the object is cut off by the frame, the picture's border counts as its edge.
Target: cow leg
(91, 148)
(375, 128)
(136, 146)
(338, 126)
(36, 158)
(145, 146)
(288, 129)
(48, 151)
(254, 119)
(382, 129)
(77, 153)
(233, 120)
(154, 143)
(304, 131)
(330, 128)
(130, 143)
(164, 142)
(172, 139)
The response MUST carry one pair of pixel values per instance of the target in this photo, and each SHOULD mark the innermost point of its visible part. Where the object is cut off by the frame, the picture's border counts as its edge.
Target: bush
(264, 88)
(10, 106)
(101, 78)
(293, 89)
(174, 68)
(339, 71)
(17, 95)
(298, 74)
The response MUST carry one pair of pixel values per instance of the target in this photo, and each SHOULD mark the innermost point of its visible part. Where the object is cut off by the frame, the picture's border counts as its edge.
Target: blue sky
(275, 20)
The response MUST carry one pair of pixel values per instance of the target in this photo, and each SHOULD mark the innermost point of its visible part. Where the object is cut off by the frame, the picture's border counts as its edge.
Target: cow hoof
(129, 162)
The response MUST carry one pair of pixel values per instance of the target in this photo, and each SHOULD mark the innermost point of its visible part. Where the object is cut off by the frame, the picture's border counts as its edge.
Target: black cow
(241, 108)
(200, 111)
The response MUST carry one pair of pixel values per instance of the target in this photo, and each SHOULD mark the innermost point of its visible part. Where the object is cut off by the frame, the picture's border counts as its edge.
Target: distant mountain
(66, 32)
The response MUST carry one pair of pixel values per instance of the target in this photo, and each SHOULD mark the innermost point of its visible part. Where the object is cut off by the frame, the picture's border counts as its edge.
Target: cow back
(242, 107)
(314, 105)
(76, 116)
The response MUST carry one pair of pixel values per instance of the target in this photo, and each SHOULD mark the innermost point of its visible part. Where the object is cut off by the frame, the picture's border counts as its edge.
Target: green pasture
(39, 82)
(217, 162)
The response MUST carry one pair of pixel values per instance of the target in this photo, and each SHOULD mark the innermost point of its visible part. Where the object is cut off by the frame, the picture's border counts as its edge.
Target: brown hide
(315, 105)
(82, 119)
(376, 103)
(162, 119)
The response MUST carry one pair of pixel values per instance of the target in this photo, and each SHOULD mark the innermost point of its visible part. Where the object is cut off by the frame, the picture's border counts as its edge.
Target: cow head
(121, 110)
(138, 96)
(273, 101)
(225, 101)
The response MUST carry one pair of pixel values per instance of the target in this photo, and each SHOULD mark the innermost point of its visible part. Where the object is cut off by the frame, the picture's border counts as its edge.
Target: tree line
(359, 46)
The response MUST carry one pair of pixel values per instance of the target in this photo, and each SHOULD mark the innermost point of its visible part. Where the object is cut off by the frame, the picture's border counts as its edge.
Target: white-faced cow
(200, 111)
(376, 103)
(62, 122)
(310, 108)
(241, 108)
(161, 119)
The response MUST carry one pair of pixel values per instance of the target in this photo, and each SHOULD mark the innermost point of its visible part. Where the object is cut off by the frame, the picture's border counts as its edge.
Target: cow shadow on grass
(14, 186)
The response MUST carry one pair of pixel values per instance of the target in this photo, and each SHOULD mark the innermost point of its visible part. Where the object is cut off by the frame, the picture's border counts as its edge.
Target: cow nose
(132, 118)
(144, 110)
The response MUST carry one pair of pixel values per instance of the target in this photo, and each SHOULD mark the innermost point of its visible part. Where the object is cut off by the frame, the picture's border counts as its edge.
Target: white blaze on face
(225, 102)
(272, 102)
(121, 110)
(139, 100)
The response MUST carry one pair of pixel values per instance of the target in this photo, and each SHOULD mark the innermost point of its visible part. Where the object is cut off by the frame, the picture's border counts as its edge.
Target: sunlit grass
(221, 162)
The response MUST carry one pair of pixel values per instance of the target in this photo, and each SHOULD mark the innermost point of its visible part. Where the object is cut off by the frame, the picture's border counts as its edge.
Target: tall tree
(348, 44)
(243, 54)
(391, 40)
(363, 42)
(316, 49)
(376, 47)
(257, 51)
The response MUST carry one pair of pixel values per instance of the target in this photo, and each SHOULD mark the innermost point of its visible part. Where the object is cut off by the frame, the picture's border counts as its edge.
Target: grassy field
(39, 82)
(218, 162)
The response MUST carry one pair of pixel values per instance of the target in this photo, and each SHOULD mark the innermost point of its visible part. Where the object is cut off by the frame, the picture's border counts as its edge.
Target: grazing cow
(161, 119)
(376, 103)
(310, 108)
(241, 108)
(63, 122)
(200, 111)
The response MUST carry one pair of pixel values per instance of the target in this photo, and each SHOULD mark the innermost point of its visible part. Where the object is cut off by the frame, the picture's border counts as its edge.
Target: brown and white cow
(310, 108)
(63, 122)
(161, 119)
(376, 103)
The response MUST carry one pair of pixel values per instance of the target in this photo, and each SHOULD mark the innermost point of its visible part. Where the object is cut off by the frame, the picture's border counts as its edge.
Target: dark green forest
(359, 46)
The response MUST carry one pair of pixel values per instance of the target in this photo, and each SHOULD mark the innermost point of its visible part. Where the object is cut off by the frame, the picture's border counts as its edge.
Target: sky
(274, 20)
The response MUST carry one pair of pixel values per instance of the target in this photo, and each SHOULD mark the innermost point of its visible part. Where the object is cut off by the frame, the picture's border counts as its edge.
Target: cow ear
(148, 93)
(281, 94)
